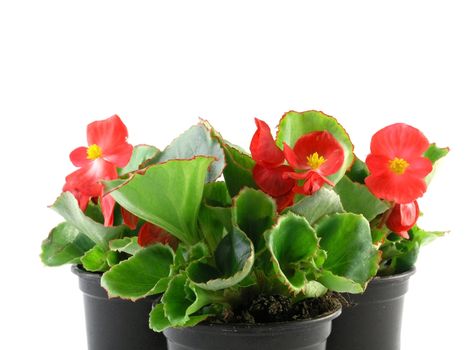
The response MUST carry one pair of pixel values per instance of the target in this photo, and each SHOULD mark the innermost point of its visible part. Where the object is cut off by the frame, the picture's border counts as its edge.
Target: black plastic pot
(303, 335)
(116, 324)
(375, 319)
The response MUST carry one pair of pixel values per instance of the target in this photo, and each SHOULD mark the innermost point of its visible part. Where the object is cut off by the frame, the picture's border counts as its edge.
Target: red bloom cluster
(397, 173)
(319, 155)
(107, 149)
(315, 155)
(269, 171)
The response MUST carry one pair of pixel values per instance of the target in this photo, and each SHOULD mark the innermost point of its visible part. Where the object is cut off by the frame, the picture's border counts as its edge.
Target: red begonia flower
(271, 180)
(402, 218)
(285, 200)
(107, 150)
(72, 185)
(319, 155)
(263, 147)
(396, 164)
(129, 219)
(151, 234)
(269, 169)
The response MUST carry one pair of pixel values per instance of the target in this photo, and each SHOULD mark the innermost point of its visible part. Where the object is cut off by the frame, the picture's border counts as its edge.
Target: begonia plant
(207, 225)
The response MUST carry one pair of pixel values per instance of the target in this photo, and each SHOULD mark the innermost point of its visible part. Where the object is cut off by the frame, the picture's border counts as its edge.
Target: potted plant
(385, 189)
(262, 241)
(97, 233)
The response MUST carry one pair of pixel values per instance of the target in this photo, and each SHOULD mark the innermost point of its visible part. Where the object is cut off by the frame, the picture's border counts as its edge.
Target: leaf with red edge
(141, 154)
(238, 172)
(167, 195)
(196, 141)
(67, 206)
(356, 198)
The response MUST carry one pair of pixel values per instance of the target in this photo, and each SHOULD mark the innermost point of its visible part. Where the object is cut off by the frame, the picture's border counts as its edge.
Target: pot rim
(398, 276)
(82, 273)
(284, 325)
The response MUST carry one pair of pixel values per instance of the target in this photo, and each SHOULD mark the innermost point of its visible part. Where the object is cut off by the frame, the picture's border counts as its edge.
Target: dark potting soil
(278, 308)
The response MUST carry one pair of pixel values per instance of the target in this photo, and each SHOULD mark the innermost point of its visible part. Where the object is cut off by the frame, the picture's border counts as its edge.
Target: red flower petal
(284, 201)
(129, 219)
(419, 167)
(296, 176)
(404, 145)
(377, 164)
(325, 145)
(151, 234)
(83, 200)
(79, 157)
(120, 155)
(294, 161)
(108, 134)
(263, 148)
(313, 181)
(272, 181)
(398, 188)
(402, 218)
(87, 179)
(399, 140)
(108, 205)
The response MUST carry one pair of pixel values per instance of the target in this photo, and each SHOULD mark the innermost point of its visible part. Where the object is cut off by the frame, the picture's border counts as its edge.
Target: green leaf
(141, 154)
(313, 289)
(67, 206)
(340, 283)
(127, 245)
(215, 223)
(157, 319)
(181, 300)
(356, 198)
(94, 212)
(293, 125)
(314, 207)
(238, 172)
(254, 213)
(138, 276)
(196, 141)
(434, 154)
(167, 195)
(358, 172)
(424, 237)
(293, 244)
(379, 234)
(351, 257)
(188, 254)
(95, 260)
(216, 194)
(215, 214)
(234, 259)
(402, 254)
(64, 245)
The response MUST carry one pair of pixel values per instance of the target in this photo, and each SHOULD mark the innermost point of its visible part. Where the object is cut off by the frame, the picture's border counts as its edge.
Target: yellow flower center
(94, 152)
(398, 165)
(315, 160)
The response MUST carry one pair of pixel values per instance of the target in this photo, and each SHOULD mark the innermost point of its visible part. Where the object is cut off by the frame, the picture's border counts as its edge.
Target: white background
(161, 65)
